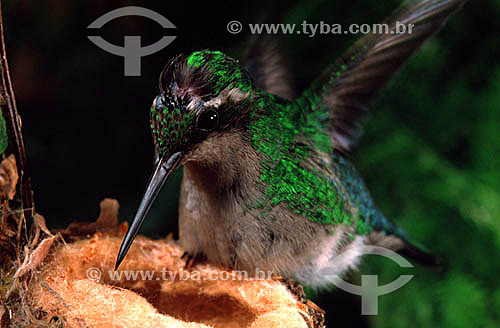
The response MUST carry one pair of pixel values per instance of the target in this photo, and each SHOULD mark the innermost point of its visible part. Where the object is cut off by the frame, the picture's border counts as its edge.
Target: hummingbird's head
(203, 97)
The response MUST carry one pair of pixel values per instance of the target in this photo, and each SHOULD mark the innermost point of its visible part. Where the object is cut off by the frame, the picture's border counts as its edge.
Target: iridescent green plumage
(289, 140)
(225, 70)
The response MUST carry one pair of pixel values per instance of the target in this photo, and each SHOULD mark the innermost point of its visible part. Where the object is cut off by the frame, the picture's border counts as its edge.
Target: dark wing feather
(265, 59)
(348, 87)
(268, 66)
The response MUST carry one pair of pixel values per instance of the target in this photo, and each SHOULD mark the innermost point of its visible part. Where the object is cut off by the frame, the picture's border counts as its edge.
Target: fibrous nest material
(71, 283)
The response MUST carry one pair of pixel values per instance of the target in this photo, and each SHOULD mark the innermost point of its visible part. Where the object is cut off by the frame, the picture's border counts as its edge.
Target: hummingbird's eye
(208, 120)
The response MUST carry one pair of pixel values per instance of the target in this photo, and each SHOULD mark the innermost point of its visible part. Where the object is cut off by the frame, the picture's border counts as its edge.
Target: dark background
(430, 155)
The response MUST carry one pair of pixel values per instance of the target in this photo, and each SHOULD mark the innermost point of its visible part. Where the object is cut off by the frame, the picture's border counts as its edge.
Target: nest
(67, 280)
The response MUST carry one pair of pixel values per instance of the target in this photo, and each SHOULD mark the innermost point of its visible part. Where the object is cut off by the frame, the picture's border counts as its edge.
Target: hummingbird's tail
(421, 256)
(389, 235)
(393, 237)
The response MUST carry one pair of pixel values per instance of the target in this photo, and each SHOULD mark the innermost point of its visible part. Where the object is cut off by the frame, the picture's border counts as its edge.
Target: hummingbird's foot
(192, 260)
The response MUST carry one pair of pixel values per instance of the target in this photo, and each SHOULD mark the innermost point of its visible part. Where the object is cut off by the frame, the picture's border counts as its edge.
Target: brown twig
(13, 121)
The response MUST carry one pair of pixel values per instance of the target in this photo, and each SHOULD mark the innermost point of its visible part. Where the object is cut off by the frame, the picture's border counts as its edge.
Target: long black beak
(158, 178)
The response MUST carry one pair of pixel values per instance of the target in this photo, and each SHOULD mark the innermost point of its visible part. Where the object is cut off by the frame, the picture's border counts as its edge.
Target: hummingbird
(268, 182)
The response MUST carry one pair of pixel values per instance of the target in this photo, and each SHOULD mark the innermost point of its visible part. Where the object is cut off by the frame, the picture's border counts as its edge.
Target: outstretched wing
(268, 66)
(265, 59)
(348, 86)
